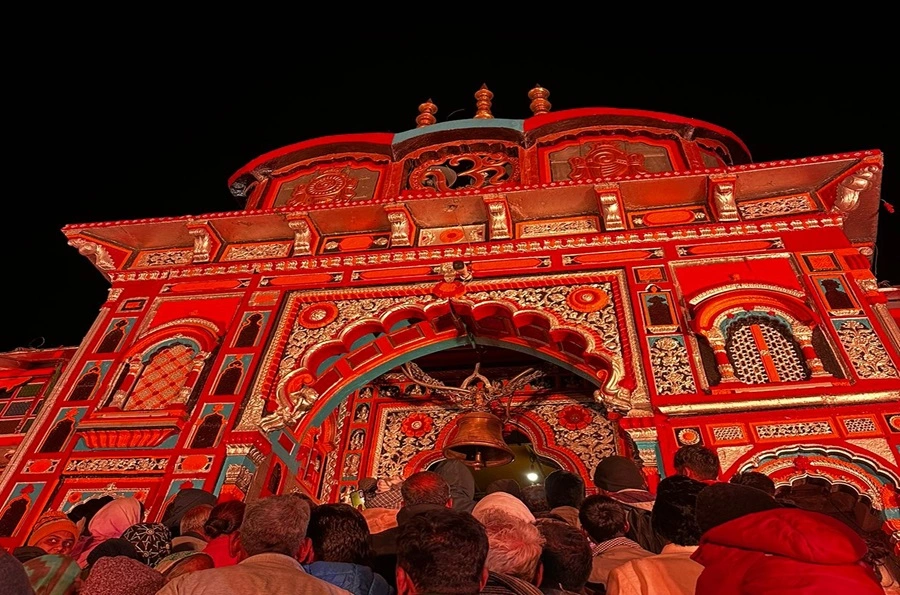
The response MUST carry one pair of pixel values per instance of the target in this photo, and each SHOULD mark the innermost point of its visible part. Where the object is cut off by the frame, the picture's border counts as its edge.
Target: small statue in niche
(351, 466)
(357, 439)
(835, 295)
(362, 414)
(366, 393)
(658, 310)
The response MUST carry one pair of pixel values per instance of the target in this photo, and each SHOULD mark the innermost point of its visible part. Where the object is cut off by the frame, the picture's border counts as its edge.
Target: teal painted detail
(363, 379)
(364, 340)
(241, 460)
(654, 446)
(401, 324)
(517, 125)
(327, 364)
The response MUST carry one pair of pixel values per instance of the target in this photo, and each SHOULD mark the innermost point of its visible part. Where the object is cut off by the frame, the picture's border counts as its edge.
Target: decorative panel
(777, 206)
(864, 349)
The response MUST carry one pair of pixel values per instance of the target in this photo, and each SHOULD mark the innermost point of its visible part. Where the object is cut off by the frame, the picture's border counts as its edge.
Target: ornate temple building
(561, 288)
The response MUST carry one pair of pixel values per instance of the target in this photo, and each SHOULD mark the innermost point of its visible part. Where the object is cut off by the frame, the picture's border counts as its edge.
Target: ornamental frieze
(137, 464)
(864, 348)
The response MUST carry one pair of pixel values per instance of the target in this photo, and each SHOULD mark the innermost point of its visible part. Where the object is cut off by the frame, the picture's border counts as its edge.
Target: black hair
(564, 488)
(674, 512)
(443, 551)
(566, 556)
(602, 518)
(339, 533)
(754, 479)
(699, 459)
(425, 487)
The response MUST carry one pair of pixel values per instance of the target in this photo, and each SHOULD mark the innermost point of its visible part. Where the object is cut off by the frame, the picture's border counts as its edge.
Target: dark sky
(101, 135)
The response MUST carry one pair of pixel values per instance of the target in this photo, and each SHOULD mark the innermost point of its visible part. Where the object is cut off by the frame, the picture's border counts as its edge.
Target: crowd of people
(427, 534)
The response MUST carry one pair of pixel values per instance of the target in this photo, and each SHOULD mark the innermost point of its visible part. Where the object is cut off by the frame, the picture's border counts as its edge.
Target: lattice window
(162, 378)
(762, 350)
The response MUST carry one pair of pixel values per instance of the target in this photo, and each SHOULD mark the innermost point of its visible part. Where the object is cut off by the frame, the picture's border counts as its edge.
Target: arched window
(163, 375)
(762, 349)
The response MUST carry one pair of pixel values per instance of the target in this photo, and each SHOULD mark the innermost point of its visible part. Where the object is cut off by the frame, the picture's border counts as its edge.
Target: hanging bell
(477, 440)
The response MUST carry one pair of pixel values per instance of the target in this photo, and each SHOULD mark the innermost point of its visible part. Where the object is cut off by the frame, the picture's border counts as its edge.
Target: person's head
(616, 473)
(754, 479)
(514, 546)
(505, 484)
(52, 573)
(54, 533)
(461, 481)
(276, 524)
(566, 558)
(564, 488)
(194, 520)
(441, 551)
(153, 541)
(719, 503)
(339, 533)
(674, 512)
(425, 487)
(82, 513)
(603, 518)
(111, 548)
(13, 576)
(224, 518)
(697, 462)
(502, 502)
(183, 501)
(535, 499)
(122, 576)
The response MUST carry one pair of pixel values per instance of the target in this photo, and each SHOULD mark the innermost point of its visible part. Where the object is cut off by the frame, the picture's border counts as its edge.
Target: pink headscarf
(109, 522)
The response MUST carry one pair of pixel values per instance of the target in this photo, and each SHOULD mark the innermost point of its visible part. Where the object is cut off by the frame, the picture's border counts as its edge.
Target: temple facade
(601, 281)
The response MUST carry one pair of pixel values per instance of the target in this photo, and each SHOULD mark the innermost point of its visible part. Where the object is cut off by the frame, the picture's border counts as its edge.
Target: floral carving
(327, 186)
(671, 367)
(788, 205)
(594, 441)
(574, 417)
(417, 425)
(869, 358)
(395, 447)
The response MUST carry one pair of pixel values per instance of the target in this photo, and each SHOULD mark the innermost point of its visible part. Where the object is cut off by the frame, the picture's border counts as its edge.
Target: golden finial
(483, 103)
(538, 97)
(426, 117)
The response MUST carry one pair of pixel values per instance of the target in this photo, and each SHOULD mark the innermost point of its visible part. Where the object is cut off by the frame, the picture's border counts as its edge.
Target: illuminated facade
(670, 290)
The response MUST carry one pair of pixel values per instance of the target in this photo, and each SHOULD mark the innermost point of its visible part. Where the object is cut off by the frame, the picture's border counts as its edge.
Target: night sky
(97, 136)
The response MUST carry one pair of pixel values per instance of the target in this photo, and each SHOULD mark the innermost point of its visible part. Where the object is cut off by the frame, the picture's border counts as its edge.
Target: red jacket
(786, 550)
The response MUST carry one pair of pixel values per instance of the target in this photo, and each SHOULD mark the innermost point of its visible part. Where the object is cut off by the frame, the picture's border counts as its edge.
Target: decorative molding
(780, 403)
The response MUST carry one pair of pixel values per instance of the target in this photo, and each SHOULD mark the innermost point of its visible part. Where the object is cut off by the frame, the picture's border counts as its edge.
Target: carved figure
(473, 397)
(362, 413)
(85, 386)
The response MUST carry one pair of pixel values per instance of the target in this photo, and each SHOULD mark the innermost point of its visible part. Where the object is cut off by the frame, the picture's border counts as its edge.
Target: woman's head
(54, 533)
(224, 518)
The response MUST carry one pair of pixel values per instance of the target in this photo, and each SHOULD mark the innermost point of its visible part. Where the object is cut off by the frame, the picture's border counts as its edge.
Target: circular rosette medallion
(574, 417)
(451, 289)
(688, 436)
(318, 315)
(416, 425)
(587, 299)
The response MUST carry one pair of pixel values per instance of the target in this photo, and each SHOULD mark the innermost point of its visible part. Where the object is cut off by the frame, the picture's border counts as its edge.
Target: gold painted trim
(760, 404)
(738, 286)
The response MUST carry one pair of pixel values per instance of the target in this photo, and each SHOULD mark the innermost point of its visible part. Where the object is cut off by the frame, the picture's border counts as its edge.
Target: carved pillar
(191, 380)
(717, 341)
(803, 335)
(610, 201)
(722, 199)
(498, 211)
(133, 367)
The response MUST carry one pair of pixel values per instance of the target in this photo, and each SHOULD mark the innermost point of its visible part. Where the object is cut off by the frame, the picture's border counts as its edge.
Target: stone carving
(499, 220)
(202, 244)
(723, 193)
(330, 185)
(791, 430)
(95, 253)
(257, 251)
(537, 230)
(848, 191)
(290, 410)
(671, 366)
(238, 476)
(593, 442)
(146, 464)
(395, 448)
(867, 354)
(302, 237)
(788, 205)
(399, 228)
(612, 214)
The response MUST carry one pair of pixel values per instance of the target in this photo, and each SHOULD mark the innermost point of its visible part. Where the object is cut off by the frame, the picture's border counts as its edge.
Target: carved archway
(863, 473)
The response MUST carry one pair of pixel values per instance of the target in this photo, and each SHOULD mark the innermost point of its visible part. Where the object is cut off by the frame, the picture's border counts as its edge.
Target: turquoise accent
(517, 125)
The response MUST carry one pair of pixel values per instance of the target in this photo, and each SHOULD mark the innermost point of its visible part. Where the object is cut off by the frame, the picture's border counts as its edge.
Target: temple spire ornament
(539, 104)
(426, 114)
(483, 103)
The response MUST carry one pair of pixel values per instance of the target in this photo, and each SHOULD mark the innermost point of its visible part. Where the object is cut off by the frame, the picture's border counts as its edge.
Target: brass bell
(477, 440)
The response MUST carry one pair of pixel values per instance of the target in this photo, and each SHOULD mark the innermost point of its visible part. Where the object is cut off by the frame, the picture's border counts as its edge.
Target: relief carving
(723, 194)
(848, 191)
(95, 253)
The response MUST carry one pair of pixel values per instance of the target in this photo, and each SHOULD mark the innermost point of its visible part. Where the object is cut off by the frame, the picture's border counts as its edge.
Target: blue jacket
(358, 579)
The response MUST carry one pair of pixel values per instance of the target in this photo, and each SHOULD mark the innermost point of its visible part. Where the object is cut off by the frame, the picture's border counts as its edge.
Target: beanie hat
(51, 522)
(618, 473)
(722, 502)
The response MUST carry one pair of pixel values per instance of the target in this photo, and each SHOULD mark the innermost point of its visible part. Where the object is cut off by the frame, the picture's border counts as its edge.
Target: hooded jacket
(785, 550)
